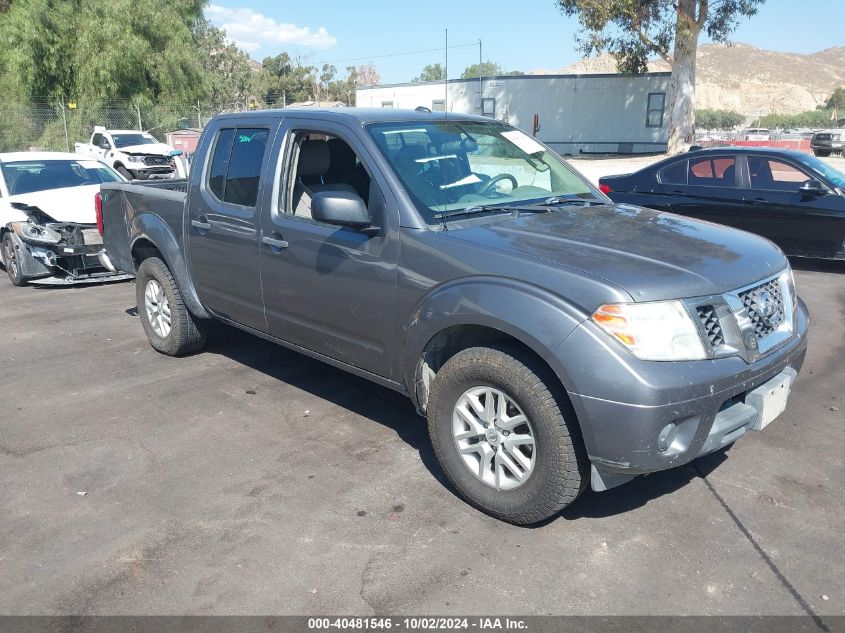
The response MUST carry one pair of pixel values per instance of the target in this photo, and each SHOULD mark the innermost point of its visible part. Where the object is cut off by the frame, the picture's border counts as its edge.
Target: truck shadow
(394, 411)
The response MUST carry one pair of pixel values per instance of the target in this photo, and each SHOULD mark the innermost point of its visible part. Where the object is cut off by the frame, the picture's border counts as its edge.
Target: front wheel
(11, 260)
(169, 325)
(504, 434)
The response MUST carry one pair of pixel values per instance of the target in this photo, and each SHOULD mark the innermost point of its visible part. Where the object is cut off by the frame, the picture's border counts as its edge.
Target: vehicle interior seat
(314, 161)
(761, 173)
(345, 168)
(729, 176)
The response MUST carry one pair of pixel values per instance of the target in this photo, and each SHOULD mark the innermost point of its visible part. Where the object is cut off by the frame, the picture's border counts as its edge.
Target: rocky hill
(747, 79)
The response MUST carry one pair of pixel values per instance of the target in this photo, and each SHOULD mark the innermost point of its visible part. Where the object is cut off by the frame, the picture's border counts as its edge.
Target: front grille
(763, 306)
(712, 327)
(156, 160)
(822, 137)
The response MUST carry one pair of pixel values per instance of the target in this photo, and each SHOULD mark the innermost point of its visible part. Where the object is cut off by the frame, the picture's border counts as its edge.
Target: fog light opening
(667, 437)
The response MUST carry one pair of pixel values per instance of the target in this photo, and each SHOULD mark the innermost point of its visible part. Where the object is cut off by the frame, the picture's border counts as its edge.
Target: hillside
(747, 79)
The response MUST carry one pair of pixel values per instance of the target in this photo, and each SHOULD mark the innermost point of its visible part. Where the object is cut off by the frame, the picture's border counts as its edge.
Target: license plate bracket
(770, 398)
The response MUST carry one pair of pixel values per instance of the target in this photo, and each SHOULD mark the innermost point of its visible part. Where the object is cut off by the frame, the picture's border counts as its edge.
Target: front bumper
(624, 404)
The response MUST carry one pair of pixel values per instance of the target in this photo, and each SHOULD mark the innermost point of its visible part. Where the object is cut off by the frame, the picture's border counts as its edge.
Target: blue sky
(519, 35)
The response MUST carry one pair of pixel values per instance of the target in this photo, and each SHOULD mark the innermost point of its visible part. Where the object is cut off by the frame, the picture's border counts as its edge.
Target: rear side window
(717, 171)
(674, 174)
(235, 170)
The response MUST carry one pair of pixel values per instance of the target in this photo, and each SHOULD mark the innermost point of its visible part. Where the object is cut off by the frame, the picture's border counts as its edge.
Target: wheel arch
(154, 238)
(474, 312)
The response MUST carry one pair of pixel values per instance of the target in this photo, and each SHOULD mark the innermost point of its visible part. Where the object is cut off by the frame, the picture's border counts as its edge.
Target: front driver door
(327, 288)
(711, 190)
(801, 224)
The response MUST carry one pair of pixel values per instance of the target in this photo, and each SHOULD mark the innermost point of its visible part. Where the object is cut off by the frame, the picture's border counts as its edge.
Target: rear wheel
(170, 326)
(504, 434)
(821, 153)
(11, 260)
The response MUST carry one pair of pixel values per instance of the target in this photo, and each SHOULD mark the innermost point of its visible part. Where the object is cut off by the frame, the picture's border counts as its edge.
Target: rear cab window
(236, 160)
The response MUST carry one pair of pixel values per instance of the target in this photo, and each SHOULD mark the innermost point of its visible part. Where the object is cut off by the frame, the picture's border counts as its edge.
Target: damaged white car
(48, 218)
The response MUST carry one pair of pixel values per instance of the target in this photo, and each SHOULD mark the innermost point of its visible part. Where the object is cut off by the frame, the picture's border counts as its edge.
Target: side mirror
(812, 187)
(341, 208)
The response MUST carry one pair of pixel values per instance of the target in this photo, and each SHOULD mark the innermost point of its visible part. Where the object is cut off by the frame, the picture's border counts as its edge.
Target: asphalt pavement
(248, 479)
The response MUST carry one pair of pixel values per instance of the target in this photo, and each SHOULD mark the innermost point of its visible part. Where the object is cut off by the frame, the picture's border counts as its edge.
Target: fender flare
(150, 227)
(537, 318)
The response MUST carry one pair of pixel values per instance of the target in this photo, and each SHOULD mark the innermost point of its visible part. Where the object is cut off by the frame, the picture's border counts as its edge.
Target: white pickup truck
(136, 155)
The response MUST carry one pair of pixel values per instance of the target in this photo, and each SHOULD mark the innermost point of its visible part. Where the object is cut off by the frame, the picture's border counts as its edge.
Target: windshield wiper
(484, 208)
(555, 201)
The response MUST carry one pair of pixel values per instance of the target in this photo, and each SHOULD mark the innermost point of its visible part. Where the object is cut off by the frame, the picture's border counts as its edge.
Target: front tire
(169, 325)
(11, 260)
(505, 435)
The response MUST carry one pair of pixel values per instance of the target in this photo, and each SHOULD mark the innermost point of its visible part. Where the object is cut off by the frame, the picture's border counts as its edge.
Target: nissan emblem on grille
(764, 307)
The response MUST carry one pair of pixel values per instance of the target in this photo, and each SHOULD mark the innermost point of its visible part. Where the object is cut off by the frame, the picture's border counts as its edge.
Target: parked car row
(555, 335)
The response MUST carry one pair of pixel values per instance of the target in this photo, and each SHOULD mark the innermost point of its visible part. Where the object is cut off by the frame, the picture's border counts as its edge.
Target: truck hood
(650, 254)
(155, 149)
(70, 204)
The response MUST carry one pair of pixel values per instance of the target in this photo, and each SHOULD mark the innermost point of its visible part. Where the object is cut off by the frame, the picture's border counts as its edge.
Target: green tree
(286, 80)
(431, 72)
(120, 49)
(706, 119)
(836, 100)
(484, 69)
(232, 79)
(636, 30)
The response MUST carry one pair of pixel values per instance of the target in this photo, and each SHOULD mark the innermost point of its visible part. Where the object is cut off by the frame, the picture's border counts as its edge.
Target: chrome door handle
(270, 241)
(202, 226)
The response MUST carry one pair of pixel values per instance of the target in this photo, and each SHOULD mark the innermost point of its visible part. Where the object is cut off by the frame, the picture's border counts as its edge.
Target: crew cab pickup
(552, 338)
(136, 155)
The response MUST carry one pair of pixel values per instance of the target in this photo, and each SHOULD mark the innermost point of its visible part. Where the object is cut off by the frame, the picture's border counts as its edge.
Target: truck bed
(133, 209)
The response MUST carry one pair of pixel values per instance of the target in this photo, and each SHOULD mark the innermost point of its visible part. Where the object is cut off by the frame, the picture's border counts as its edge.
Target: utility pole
(138, 108)
(480, 81)
(199, 114)
(446, 76)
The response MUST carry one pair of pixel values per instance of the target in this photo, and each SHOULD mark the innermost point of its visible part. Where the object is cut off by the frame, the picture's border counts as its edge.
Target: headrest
(342, 156)
(314, 158)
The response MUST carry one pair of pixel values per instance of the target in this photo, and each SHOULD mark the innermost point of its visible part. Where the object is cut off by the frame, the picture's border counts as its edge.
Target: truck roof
(360, 115)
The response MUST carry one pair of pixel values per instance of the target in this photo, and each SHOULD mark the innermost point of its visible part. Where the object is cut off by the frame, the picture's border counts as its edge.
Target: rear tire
(169, 325)
(821, 153)
(11, 260)
(553, 462)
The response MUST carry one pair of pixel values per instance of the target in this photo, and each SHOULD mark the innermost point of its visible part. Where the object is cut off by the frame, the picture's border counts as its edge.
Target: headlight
(135, 159)
(661, 330)
(789, 279)
(36, 233)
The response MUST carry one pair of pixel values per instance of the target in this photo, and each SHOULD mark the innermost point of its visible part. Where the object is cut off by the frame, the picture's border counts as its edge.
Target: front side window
(31, 176)
(715, 171)
(452, 165)
(236, 161)
(767, 173)
(655, 108)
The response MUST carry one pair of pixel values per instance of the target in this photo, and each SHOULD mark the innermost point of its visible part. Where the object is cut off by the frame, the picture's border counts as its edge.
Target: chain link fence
(55, 125)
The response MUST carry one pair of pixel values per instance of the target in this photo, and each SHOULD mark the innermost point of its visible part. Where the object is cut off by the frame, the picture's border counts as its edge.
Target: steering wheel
(490, 185)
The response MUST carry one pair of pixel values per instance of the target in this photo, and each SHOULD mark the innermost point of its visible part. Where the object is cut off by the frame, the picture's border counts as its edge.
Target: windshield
(127, 140)
(820, 167)
(40, 175)
(452, 165)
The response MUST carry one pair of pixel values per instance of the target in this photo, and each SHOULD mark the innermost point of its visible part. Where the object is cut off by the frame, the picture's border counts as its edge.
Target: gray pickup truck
(553, 339)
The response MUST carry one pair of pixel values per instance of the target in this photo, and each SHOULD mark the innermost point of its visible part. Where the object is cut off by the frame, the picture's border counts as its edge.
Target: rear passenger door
(710, 188)
(223, 222)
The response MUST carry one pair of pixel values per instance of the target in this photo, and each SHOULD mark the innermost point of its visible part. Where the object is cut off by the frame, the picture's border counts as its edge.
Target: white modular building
(574, 114)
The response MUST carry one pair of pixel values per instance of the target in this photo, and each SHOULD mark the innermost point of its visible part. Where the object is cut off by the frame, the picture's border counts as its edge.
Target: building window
(386, 104)
(438, 105)
(488, 107)
(656, 106)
